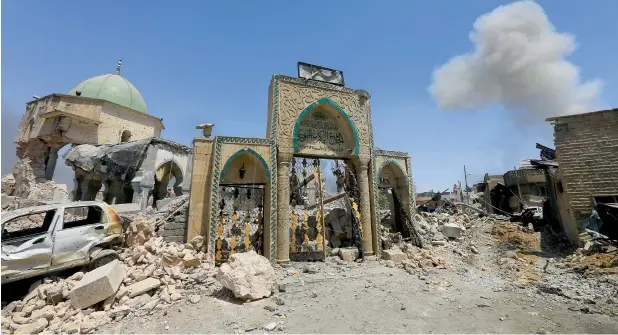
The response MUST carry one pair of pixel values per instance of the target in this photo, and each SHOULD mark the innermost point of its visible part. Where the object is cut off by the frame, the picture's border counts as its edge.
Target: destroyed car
(45, 239)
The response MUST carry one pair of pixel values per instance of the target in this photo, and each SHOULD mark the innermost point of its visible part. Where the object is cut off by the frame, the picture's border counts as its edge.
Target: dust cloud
(518, 62)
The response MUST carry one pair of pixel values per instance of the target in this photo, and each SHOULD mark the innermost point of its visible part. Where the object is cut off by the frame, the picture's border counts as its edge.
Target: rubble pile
(597, 256)
(151, 274)
(398, 253)
(436, 228)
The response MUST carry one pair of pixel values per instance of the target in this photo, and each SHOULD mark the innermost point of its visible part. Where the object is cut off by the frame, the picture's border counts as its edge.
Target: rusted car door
(27, 242)
(81, 228)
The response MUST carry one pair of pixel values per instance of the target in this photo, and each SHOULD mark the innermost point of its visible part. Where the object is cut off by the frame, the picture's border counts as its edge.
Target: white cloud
(519, 63)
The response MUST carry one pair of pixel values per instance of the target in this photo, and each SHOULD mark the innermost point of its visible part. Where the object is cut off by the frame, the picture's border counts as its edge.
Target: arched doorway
(241, 210)
(322, 216)
(125, 136)
(167, 172)
(393, 198)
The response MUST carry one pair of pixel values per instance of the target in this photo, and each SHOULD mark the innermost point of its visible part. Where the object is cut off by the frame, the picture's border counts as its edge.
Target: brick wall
(587, 154)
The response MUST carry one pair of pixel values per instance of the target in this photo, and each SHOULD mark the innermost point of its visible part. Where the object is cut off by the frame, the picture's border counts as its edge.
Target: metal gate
(240, 221)
(307, 227)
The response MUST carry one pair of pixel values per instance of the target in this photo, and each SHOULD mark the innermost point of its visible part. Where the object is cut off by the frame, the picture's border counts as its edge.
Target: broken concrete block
(97, 285)
(46, 312)
(451, 230)
(395, 255)
(248, 275)
(32, 328)
(143, 286)
(54, 294)
(33, 291)
(348, 254)
(190, 261)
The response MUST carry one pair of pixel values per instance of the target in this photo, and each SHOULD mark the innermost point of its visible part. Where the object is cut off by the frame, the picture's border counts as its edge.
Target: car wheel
(99, 262)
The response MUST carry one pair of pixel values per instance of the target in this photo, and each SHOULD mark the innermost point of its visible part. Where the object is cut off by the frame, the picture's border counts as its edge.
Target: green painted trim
(385, 163)
(273, 163)
(341, 111)
(240, 152)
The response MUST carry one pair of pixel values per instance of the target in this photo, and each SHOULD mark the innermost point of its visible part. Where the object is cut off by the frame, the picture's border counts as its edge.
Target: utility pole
(466, 180)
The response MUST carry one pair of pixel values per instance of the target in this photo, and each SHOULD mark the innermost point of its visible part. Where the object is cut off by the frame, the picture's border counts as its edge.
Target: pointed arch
(394, 163)
(318, 103)
(240, 152)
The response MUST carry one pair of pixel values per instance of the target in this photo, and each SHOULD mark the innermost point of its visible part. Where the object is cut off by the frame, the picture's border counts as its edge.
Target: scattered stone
(282, 287)
(97, 285)
(194, 298)
(390, 264)
(348, 254)
(46, 312)
(310, 268)
(395, 255)
(270, 308)
(176, 296)
(438, 243)
(474, 249)
(313, 294)
(143, 287)
(32, 328)
(270, 327)
(248, 275)
(189, 261)
(70, 328)
(279, 301)
(451, 230)
(511, 254)
(149, 306)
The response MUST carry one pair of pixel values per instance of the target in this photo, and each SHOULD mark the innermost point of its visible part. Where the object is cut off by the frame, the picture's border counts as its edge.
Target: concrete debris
(139, 231)
(32, 328)
(310, 268)
(151, 273)
(194, 298)
(97, 285)
(395, 255)
(248, 275)
(348, 254)
(143, 286)
(451, 230)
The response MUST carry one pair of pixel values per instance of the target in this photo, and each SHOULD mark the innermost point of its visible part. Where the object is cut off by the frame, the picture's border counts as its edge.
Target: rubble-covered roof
(117, 161)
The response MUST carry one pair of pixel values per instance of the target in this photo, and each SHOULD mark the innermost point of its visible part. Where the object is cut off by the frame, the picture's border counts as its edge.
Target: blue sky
(207, 61)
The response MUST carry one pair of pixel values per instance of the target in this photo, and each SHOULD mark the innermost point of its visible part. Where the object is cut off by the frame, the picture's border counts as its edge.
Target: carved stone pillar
(365, 210)
(283, 207)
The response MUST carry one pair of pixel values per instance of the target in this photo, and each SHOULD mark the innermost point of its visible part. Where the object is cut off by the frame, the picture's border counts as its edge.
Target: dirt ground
(475, 294)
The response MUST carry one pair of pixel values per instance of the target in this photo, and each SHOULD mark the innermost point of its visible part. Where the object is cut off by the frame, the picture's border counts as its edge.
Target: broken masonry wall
(115, 119)
(586, 147)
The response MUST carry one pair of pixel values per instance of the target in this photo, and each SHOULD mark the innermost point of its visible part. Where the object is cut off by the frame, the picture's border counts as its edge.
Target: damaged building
(136, 172)
(115, 150)
(584, 174)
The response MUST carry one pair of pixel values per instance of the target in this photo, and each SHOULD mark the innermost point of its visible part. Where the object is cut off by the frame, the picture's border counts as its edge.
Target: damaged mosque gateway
(265, 194)
(116, 151)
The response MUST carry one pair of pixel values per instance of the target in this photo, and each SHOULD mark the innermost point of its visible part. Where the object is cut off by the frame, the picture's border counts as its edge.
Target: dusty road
(372, 298)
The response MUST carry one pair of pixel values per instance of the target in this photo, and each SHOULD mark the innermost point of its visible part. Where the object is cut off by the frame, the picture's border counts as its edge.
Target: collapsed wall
(27, 185)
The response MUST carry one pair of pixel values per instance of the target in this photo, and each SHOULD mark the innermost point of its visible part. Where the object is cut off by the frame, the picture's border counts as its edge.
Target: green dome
(113, 88)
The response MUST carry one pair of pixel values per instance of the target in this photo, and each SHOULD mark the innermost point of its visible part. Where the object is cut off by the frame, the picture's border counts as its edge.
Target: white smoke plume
(519, 63)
